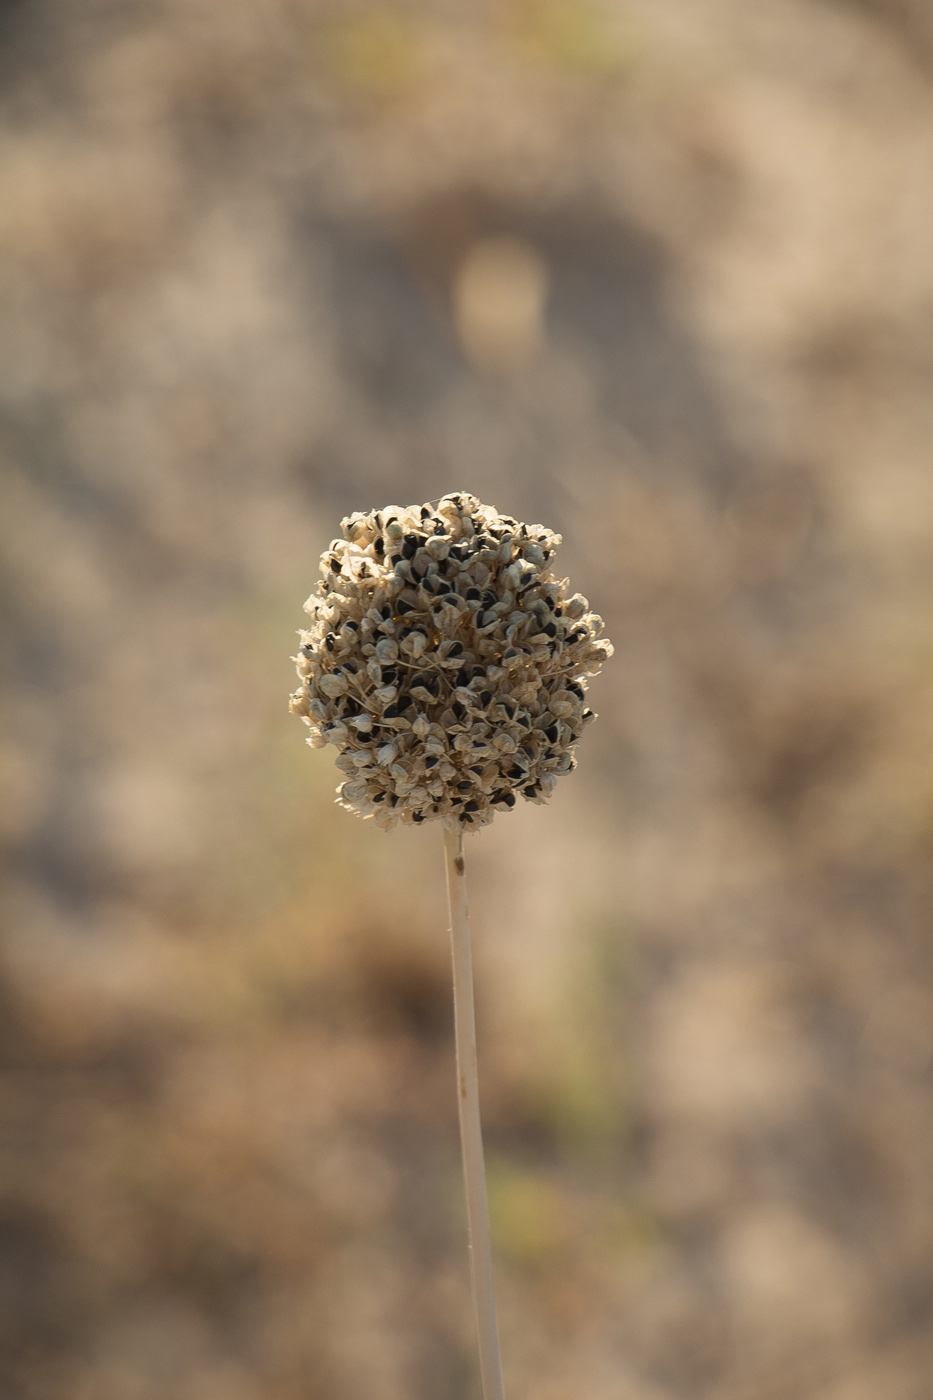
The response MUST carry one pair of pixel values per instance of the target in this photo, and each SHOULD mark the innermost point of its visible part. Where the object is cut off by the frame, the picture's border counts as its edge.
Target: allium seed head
(445, 662)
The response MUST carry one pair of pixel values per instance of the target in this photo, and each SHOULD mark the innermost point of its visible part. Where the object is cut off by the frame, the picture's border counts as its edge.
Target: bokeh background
(658, 273)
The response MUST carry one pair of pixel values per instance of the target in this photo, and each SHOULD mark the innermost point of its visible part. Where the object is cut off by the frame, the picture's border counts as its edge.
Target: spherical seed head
(445, 662)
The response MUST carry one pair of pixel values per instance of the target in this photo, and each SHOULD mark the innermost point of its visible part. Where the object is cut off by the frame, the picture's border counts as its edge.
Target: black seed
(353, 626)
(379, 546)
(417, 816)
(335, 564)
(552, 733)
(577, 689)
(464, 787)
(587, 714)
(473, 594)
(551, 630)
(403, 608)
(530, 791)
(393, 799)
(471, 806)
(307, 649)
(457, 708)
(440, 528)
(490, 598)
(391, 712)
(425, 512)
(386, 612)
(409, 548)
(515, 772)
(395, 559)
(485, 696)
(431, 761)
(379, 797)
(456, 649)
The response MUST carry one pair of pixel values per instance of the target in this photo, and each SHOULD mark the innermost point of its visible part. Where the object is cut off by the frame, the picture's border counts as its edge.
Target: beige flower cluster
(445, 662)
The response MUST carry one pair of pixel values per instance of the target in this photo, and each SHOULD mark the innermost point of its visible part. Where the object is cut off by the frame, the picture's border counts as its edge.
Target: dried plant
(449, 668)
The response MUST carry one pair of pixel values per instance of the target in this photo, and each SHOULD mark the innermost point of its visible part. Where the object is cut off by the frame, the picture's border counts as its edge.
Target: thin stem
(471, 1138)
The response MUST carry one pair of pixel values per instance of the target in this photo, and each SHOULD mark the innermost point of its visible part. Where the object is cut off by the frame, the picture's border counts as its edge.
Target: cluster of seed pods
(445, 662)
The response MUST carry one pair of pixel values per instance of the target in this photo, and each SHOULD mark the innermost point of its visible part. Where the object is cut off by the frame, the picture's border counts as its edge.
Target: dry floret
(445, 662)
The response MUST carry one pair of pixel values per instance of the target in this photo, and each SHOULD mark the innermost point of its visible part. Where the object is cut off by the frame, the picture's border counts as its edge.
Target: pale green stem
(471, 1138)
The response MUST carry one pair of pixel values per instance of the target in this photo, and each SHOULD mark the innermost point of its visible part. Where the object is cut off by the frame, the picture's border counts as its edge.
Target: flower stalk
(471, 1137)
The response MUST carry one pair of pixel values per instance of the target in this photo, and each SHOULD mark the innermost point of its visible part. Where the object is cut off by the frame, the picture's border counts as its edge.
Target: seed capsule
(332, 686)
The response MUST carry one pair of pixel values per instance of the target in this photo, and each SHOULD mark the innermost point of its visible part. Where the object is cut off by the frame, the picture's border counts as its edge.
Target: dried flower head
(445, 662)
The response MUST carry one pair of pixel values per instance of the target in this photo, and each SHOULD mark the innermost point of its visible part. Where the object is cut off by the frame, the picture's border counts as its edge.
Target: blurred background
(659, 274)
